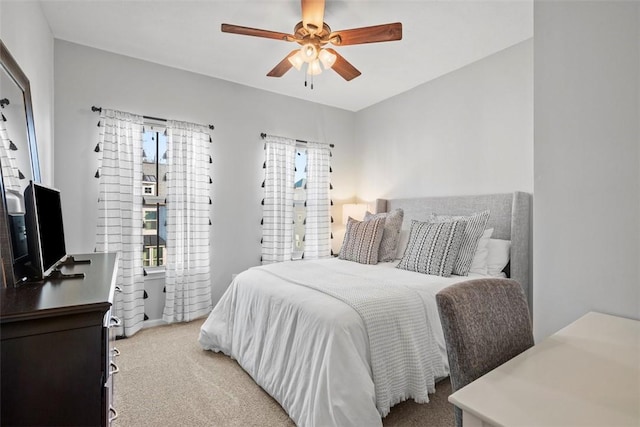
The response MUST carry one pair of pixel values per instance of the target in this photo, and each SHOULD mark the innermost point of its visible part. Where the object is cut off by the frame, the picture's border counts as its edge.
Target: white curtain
(318, 226)
(120, 210)
(10, 173)
(277, 210)
(188, 282)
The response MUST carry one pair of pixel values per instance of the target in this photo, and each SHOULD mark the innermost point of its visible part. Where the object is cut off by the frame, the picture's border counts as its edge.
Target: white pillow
(479, 262)
(403, 241)
(498, 256)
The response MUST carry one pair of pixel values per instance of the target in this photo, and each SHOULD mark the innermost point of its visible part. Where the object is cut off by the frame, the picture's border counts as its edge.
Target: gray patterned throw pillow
(362, 241)
(476, 224)
(391, 235)
(432, 247)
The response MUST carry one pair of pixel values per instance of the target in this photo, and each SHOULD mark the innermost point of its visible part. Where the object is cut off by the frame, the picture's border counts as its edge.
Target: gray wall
(25, 32)
(586, 155)
(468, 132)
(85, 76)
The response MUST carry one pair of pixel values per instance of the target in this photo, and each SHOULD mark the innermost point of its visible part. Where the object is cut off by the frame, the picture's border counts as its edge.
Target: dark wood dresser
(56, 349)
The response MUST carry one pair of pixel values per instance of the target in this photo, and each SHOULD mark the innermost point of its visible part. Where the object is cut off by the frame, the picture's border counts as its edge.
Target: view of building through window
(154, 166)
(299, 197)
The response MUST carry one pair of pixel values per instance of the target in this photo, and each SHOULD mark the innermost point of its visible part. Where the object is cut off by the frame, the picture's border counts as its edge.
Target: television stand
(71, 260)
(59, 275)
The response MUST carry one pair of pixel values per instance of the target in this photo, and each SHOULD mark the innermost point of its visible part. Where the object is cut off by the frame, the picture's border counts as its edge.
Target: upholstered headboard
(510, 218)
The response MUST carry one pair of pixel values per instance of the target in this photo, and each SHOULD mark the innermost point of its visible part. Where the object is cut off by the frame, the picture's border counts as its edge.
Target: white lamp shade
(354, 210)
(297, 60)
(327, 58)
(314, 68)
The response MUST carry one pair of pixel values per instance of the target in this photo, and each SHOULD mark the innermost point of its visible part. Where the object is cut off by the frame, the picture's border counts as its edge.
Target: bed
(289, 326)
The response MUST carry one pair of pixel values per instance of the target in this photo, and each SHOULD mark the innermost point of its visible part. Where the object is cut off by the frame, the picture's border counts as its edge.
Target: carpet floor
(167, 379)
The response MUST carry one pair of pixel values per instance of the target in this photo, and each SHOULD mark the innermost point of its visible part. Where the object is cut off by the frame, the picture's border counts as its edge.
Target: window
(296, 208)
(299, 197)
(150, 217)
(154, 166)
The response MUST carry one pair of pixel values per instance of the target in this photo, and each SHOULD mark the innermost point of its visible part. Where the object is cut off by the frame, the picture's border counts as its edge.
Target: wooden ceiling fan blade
(283, 66)
(313, 15)
(374, 34)
(343, 67)
(256, 32)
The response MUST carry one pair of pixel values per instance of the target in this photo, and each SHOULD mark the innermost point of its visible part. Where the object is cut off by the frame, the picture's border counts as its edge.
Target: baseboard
(153, 322)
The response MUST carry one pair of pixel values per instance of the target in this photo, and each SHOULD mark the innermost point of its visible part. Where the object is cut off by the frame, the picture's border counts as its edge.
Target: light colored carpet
(166, 379)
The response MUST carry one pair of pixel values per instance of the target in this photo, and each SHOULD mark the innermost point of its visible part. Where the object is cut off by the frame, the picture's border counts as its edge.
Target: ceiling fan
(313, 34)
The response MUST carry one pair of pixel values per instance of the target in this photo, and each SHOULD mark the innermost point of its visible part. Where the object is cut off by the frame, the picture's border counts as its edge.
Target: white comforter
(309, 350)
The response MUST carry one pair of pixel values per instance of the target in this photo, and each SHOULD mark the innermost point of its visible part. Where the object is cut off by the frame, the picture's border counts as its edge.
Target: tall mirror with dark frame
(18, 164)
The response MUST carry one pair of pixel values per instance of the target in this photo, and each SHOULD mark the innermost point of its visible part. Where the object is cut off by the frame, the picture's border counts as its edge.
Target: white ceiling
(439, 36)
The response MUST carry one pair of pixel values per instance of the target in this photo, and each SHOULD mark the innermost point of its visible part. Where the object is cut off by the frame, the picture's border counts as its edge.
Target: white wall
(468, 132)
(587, 182)
(85, 76)
(25, 32)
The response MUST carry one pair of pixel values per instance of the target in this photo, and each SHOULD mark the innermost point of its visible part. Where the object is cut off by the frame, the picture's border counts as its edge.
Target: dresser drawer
(52, 379)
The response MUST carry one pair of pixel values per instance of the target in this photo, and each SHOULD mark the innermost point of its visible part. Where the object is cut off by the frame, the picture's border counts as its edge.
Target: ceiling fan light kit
(312, 34)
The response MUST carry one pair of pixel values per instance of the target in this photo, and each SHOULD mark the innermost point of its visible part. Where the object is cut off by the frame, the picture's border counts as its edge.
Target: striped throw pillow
(476, 224)
(362, 241)
(433, 247)
(391, 235)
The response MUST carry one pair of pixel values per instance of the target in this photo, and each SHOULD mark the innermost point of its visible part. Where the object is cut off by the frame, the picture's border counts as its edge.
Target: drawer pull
(113, 411)
(115, 351)
(115, 321)
(118, 289)
(115, 369)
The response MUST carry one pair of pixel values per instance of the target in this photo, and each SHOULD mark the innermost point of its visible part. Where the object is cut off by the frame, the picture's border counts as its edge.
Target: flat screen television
(45, 232)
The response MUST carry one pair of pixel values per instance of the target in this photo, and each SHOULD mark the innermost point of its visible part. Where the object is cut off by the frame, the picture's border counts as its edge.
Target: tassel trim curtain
(10, 173)
(318, 206)
(277, 209)
(188, 282)
(120, 210)
(279, 202)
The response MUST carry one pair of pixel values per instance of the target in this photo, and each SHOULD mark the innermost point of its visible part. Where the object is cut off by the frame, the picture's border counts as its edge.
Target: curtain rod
(99, 110)
(264, 135)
